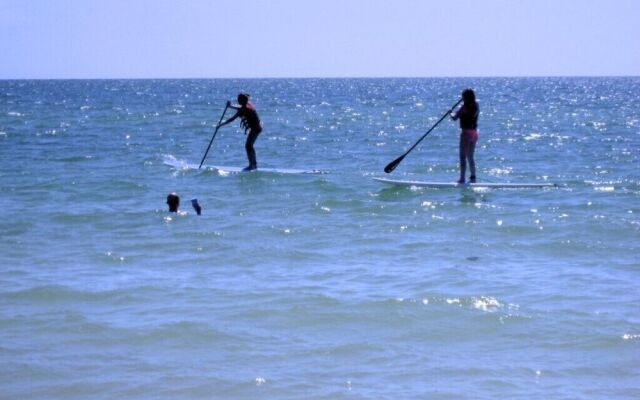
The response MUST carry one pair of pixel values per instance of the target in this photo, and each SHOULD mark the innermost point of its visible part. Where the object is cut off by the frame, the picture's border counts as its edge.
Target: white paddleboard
(185, 166)
(238, 170)
(464, 185)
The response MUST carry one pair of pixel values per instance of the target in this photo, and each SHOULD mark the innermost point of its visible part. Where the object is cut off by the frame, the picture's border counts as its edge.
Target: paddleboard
(464, 185)
(223, 170)
(238, 170)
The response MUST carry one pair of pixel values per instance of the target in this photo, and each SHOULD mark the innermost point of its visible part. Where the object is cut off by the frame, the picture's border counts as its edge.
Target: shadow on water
(472, 196)
(397, 193)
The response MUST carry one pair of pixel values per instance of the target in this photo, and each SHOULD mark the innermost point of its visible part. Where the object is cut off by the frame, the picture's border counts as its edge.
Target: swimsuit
(470, 135)
(251, 122)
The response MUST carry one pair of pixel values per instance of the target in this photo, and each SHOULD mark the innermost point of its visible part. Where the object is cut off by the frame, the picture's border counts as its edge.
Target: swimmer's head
(173, 201)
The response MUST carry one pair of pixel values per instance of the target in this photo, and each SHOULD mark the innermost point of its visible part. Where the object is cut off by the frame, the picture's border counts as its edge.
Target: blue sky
(309, 38)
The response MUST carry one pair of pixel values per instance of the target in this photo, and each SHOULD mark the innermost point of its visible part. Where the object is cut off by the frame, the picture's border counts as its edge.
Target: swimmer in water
(173, 201)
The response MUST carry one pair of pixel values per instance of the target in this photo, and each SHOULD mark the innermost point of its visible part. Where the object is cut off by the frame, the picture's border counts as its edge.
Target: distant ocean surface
(329, 286)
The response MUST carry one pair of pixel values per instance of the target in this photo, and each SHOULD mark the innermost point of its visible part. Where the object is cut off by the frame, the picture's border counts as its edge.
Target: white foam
(486, 303)
(533, 136)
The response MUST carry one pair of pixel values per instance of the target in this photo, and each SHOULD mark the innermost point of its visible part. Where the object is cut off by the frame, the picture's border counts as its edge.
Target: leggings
(248, 146)
(468, 139)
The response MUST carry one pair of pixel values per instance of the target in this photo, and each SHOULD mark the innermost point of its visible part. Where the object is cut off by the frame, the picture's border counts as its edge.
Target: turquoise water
(319, 286)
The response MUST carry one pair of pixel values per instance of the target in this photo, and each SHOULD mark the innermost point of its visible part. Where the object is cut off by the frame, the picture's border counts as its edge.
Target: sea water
(323, 286)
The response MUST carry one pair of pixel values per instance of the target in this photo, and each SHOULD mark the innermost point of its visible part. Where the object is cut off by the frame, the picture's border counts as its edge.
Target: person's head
(468, 96)
(173, 201)
(243, 98)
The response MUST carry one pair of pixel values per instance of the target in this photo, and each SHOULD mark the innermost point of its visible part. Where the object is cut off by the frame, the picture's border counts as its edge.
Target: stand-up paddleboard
(222, 170)
(464, 185)
(238, 170)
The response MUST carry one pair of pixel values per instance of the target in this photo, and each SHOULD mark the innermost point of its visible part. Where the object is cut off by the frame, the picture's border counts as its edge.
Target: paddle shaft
(214, 135)
(393, 164)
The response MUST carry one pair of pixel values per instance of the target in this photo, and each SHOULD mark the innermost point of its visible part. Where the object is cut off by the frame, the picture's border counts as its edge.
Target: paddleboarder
(250, 122)
(468, 116)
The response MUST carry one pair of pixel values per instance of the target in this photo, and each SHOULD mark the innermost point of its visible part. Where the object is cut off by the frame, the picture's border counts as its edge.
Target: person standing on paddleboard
(250, 122)
(468, 116)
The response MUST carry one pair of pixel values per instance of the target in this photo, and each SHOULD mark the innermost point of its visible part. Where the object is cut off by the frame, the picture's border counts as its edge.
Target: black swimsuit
(250, 119)
(250, 122)
(469, 118)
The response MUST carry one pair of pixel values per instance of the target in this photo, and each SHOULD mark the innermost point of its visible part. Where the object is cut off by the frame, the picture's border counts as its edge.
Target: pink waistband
(472, 134)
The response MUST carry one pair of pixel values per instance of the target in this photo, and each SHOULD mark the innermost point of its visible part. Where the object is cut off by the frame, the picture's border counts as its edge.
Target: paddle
(393, 164)
(214, 134)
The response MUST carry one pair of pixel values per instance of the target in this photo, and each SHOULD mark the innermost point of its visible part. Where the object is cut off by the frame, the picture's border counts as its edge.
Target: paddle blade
(393, 164)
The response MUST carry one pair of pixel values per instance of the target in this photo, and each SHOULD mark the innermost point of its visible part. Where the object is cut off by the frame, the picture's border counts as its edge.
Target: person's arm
(456, 115)
(229, 105)
(230, 119)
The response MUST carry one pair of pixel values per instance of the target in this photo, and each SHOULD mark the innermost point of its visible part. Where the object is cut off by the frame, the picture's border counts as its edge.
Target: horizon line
(319, 77)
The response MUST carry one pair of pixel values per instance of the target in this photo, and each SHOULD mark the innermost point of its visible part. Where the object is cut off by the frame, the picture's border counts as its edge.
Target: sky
(84, 39)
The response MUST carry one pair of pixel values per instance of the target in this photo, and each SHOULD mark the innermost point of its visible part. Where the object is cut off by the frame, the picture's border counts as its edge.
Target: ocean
(321, 286)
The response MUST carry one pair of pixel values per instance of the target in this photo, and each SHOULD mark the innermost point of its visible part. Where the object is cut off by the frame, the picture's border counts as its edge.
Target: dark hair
(173, 201)
(243, 98)
(468, 96)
